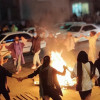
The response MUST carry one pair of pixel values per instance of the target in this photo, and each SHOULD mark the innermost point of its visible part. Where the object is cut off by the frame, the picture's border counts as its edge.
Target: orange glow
(57, 62)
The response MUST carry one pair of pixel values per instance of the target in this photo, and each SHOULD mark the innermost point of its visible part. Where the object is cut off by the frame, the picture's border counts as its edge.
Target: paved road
(27, 91)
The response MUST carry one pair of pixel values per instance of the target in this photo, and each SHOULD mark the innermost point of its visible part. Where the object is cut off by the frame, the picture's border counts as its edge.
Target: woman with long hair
(84, 71)
(49, 86)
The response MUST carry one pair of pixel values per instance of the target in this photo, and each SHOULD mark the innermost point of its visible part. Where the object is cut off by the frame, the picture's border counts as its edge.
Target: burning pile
(57, 62)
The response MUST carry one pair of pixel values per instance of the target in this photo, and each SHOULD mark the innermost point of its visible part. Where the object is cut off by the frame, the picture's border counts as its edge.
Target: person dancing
(49, 86)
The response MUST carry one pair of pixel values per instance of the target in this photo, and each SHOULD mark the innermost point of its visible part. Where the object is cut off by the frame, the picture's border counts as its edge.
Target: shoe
(33, 67)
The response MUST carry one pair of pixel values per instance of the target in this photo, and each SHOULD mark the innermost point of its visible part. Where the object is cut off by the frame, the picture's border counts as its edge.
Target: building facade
(9, 11)
(81, 7)
(45, 11)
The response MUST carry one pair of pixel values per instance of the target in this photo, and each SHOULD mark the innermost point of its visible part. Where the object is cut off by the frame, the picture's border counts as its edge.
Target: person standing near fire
(51, 44)
(49, 86)
(84, 71)
(69, 49)
(16, 49)
(70, 41)
(35, 49)
(4, 89)
(92, 45)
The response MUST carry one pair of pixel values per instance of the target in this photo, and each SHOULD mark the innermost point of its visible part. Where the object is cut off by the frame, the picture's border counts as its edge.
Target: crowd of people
(7, 28)
(85, 68)
(88, 18)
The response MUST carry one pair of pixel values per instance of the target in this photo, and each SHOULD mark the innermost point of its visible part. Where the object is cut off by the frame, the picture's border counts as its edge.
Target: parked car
(80, 29)
(8, 38)
(67, 25)
(83, 29)
(64, 27)
(29, 30)
(33, 29)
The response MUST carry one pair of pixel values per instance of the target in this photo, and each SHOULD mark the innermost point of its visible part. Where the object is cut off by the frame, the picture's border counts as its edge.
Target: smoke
(46, 12)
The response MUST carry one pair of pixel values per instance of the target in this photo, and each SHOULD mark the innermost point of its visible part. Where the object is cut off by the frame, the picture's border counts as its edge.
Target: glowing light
(57, 62)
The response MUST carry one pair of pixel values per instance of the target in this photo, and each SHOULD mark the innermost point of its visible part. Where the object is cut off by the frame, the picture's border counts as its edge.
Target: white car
(63, 27)
(83, 29)
(67, 25)
(8, 38)
(33, 29)
(29, 30)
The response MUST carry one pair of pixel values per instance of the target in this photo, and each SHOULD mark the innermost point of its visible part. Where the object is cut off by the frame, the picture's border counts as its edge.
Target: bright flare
(57, 62)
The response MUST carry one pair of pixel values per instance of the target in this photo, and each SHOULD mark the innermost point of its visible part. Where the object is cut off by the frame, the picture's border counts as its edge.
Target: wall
(45, 11)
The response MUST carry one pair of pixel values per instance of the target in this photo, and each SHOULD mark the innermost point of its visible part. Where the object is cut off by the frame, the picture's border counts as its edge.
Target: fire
(57, 62)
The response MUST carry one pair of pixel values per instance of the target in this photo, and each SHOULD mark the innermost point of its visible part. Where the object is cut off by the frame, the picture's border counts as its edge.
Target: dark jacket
(3, 79)
(46, 89)
(35, 44)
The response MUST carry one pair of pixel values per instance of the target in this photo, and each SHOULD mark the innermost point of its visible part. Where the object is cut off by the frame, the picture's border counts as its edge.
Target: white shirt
(43, 44)
(86, 80)
(92, 41)
(70, 43)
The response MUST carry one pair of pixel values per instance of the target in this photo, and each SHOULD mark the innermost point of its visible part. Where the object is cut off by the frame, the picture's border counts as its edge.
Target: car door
(28, 45)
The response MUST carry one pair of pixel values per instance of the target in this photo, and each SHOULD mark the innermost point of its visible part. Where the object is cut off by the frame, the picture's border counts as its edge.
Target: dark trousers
(6, 95)
(54, 95)
(84, 94)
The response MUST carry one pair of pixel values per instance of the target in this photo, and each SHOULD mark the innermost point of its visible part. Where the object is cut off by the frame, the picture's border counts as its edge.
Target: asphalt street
(26, 90)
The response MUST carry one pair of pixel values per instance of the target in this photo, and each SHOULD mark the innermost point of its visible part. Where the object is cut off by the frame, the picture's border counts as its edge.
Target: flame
(57, 62)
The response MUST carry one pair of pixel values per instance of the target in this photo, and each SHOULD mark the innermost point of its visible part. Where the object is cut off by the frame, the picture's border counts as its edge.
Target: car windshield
(74, 29)
(65, 26)
(25, 29)
(1, 37)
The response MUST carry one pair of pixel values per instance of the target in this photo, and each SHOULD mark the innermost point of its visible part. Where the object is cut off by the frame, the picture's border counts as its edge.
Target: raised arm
(78, 38)
(23, 39)
(9, 47)
(26, 40)
(87, 37)
(98, 34)
(62, 73)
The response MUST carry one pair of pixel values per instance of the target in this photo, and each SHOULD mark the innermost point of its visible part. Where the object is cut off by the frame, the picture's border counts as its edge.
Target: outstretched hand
(20, 79)
(23, 39)
(65, 67)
